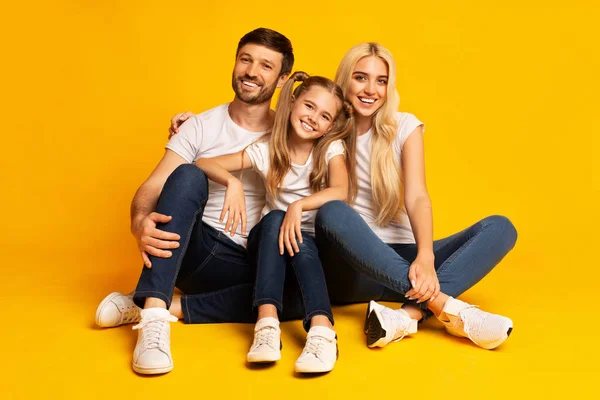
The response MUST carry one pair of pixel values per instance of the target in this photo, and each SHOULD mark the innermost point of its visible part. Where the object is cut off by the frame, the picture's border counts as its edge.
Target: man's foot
(484, 329)
(320, 351)
(266, 346)
(117, 309)
(152, 354)
(385, 325)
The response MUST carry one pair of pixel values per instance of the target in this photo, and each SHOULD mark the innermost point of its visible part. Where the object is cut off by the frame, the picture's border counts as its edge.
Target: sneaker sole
(103, 304)
(499, 341)
(306, 369)
(369, 309)
(152, 371)
(263, 357)
(375, 331)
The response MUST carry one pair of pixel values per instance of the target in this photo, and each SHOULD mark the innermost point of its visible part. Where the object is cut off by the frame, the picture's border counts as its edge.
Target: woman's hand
(424, 280)
(234, 206)
(290, 229)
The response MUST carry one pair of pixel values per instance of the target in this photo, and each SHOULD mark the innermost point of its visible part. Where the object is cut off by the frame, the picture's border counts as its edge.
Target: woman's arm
(337, 189)
(218, 169)
(418, 207)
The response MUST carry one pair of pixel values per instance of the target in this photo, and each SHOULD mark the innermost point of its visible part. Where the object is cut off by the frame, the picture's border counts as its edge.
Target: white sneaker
(152, 354)
(266, 346)
(117, 309)
(484, 329)
(320, 351)
(385, 325)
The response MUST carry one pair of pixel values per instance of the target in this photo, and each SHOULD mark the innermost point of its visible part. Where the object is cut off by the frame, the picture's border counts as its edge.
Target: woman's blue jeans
(271, 268)
(360, 267)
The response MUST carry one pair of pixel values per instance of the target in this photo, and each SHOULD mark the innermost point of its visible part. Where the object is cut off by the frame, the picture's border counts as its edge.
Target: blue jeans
(212, 271)
(360, 267)
(271, 269)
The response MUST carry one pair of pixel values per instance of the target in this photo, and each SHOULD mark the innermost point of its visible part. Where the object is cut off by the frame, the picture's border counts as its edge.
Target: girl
(310, 146)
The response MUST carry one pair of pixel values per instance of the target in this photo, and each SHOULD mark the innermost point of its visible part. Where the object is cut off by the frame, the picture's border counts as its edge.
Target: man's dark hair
(272, 40)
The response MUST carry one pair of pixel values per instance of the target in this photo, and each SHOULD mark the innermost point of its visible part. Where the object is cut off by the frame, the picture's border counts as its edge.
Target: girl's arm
(337, 189)
(422, 272)
(218, 169)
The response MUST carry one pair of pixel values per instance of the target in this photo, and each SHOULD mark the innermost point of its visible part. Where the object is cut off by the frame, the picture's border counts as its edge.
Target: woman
(387, 234)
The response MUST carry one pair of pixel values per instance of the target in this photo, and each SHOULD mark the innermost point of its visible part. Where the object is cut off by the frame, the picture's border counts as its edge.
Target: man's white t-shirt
(296, 183)
(395, 232)
(211, 134)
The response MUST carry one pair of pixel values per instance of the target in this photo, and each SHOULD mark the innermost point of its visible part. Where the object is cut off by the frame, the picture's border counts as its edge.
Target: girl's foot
(484, 329)
(320, 351)
(266, 346)
(152, 353)
(385, 325)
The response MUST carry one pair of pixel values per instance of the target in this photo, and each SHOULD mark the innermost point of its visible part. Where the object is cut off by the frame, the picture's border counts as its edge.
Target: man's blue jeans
(360, 267)
(211, 270)
(271, 267)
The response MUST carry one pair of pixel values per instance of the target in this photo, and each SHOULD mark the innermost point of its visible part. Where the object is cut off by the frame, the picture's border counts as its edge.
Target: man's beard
(265, 92)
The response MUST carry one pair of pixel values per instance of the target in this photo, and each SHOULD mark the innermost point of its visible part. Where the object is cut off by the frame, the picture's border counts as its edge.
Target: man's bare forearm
(143, 203)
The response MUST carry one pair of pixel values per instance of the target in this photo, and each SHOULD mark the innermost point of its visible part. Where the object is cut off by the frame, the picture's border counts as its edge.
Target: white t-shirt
(395, 232)
(210, 134)
(296, 183)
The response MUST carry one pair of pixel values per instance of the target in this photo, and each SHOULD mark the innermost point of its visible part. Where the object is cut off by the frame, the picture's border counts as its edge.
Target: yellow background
(507, 89)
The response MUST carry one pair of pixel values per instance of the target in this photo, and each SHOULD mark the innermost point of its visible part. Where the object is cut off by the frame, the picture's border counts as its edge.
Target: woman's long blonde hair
(386, 177)
(342, 129)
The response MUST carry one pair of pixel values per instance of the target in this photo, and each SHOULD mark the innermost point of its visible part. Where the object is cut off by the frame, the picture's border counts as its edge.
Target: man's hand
(424, 280)
(291, 229)
(177, 120)
(153, 241)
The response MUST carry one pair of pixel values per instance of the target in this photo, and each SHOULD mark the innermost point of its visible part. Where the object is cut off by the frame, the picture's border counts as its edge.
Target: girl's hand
(424, 280)
(234, 206)
(290, 229)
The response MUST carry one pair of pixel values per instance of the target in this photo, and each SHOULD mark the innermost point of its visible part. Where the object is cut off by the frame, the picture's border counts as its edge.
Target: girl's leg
(268, 290)
(320, 352)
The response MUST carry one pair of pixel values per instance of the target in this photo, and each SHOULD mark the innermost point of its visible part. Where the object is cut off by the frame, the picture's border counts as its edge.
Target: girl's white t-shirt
(295, 185)
(395, 232)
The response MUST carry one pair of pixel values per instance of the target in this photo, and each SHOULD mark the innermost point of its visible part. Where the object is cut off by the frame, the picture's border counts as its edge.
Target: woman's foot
(484, 329)
(266, 346)
(385, 325)
(320, 351)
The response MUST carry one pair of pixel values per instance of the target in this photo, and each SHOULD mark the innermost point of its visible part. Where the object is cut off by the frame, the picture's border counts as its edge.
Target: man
(175, 215)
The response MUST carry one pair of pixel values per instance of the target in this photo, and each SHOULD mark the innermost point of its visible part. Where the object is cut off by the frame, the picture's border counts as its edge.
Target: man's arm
(143, 218)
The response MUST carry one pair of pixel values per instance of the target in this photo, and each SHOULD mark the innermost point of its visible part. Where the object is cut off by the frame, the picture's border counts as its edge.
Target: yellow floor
(53, 350)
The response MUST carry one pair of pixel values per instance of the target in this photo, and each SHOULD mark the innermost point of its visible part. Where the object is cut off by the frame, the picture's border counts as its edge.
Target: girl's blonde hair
(342, 129)
(386, 177)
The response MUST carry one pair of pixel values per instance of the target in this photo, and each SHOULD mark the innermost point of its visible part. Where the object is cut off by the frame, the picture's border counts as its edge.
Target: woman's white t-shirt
(296, 183)
(395, 232)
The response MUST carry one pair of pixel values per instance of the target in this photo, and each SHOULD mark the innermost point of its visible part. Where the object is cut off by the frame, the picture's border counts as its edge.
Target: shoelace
(130, 314)
(266, 336)
(153, 329)
(398, 324)
(314, 345)
(462, 317)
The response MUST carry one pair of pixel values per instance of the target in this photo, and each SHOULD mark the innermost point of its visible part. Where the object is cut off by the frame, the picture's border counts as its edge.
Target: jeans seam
(161, 296)
(262, 301)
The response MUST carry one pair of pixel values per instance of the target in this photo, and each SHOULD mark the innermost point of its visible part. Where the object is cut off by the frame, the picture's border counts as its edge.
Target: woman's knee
(331, 212)
(505, 228)
(274, 217)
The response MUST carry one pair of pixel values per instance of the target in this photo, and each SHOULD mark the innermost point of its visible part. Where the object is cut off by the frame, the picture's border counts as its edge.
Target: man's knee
(188, 179)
